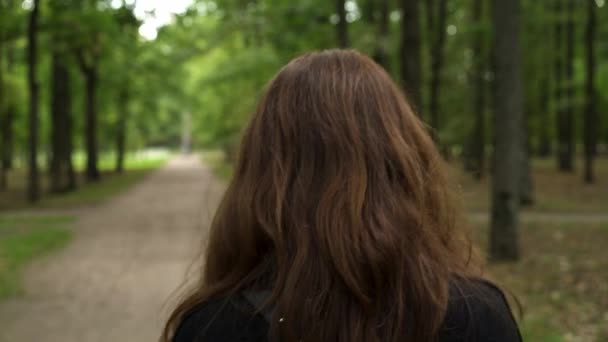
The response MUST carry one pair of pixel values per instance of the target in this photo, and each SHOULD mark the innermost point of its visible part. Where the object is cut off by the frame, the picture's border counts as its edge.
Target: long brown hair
(339, 206)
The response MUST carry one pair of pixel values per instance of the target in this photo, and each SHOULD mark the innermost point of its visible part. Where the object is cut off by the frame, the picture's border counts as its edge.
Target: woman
(338, 224)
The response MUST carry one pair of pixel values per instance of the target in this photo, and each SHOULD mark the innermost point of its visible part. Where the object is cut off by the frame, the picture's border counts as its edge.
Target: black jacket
(480, 314)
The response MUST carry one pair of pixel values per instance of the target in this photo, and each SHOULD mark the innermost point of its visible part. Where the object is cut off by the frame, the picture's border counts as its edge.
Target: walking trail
(113, 281)
(128, 256)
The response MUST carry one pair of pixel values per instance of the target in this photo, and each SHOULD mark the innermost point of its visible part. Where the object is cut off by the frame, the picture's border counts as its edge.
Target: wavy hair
(339, 206)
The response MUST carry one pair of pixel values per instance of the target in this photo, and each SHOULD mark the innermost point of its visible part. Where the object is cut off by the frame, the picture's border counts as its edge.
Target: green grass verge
(23, 239)
(137, 166)
(217, 161)
(111, 185)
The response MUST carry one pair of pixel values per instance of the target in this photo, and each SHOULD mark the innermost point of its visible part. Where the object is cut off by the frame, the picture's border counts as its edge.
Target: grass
(137, 166)
(23, 239)
(561, 281)
(554, 191)
(216, 159)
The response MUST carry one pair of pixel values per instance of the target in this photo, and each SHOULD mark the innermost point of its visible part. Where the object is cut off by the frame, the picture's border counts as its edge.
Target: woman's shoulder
(223, 319)
(478, 311)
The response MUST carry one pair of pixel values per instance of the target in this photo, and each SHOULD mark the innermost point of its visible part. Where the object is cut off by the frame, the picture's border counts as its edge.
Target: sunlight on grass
(23, 239)
(137, 166)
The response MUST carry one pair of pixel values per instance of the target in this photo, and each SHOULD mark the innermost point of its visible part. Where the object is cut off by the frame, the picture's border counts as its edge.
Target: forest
(515, 94)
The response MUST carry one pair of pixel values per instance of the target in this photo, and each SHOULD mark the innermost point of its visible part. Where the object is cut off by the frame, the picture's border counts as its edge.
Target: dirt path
(112, 282)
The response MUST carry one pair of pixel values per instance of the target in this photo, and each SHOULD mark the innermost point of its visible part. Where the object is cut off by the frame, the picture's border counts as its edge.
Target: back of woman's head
(339, 205)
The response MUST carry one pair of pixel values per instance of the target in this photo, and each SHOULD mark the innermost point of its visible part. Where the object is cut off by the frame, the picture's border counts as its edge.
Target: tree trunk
(544, 144)
(526, 186)
(3, 114)
(92, 172)
(508, 113)
(559, 86)
(590, 118)
(410, 52)
(476, 150)
(121, 129)
(437, 66)
(61, 135)
(7, 118)
(381, 53)
(33, 184)
(342, 27)
(566, 119)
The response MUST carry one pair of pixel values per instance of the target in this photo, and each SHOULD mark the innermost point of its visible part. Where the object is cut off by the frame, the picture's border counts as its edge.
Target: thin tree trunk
(92, 172)
(437, 53)
(508, 113)
(7, 118)
(590, 118)
(566, 120)
(544, 144)
(3, 112)
(570, 83)
(478, 138)
(61, 134)
(559, 86)
(32, 60)
(410, 52)
(121, 130)
(526, 186)
(342, 27)
(381, 53)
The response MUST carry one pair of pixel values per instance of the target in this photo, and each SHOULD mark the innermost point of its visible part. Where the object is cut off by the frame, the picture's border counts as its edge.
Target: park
(121, 121)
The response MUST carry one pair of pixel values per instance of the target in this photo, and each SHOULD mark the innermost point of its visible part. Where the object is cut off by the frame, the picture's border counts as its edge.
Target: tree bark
(33, 185)
(62, 177)
(559, 86)
(342, 27)
(7, 118)
(475, 159)
(381, 53)
(121, 129)
(508, 113)
(526, 186)
(590, 118)
(566, 119)
(544, 144)
(91, 78)
(3, 114)
(410, 52)
(437, 53)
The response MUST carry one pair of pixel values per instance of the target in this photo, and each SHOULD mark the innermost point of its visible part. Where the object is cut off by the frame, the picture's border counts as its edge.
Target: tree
(565, 108)
(342, 26)
(410, 52)
(62, 170)
(590, 117)
(3, 176)
(62, 175)
(7, 102)
(437, 52)
(121, 128)
(32, 60)
(508, 114)
(475, 159)
(89, 70)
(381, 50)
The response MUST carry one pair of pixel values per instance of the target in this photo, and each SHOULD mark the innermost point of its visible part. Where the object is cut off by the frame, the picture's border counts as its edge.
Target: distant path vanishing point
(112, 282)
